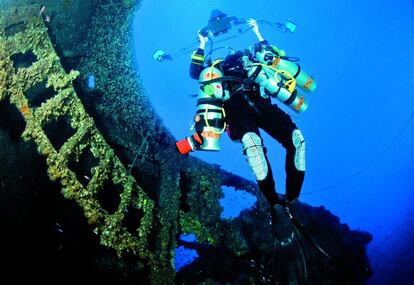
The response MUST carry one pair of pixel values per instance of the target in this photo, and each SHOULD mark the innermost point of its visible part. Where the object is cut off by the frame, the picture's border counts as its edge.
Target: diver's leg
(295, 165)
(243, 122)
(280, 126)
(291, 260)
(257, 160)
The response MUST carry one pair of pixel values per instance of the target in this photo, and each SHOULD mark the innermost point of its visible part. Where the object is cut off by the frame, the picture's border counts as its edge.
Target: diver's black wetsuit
(246, 112)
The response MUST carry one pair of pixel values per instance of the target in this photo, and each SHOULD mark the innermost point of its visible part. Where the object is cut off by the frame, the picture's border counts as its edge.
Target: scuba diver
(236, 96)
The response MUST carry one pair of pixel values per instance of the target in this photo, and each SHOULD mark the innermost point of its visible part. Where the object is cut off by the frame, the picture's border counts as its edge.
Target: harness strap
(297, 72)
(291, 98)
(202, 111)
(254, 75)
(223, 78)
(216, 123)
(210, 101)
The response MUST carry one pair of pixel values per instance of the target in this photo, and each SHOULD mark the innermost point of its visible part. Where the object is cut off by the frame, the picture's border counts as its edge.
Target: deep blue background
(358, 127)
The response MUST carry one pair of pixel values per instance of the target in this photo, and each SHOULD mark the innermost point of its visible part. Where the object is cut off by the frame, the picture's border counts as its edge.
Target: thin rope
(368, 165)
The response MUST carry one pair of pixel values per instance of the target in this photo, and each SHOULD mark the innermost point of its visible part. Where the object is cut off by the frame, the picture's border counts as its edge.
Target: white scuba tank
(210, 109)
(303, 80)
(272, 81)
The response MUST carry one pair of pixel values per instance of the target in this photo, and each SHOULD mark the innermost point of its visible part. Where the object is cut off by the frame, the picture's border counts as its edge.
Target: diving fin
(288, 254)
(314, 233)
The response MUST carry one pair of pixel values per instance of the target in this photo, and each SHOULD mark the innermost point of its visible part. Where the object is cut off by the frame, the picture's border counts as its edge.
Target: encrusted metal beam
(16, 78)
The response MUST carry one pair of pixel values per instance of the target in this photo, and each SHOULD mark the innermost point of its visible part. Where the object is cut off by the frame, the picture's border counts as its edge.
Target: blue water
(359, 127)
(235, 201)
(187, 256)
(188, 237)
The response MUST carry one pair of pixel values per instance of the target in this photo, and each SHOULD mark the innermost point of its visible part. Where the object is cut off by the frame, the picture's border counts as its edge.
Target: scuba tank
(272, 56)
(210, 117)
(209, 121)
(276, 83)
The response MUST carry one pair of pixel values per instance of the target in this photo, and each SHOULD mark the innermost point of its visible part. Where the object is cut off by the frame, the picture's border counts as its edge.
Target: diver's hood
(233, 64)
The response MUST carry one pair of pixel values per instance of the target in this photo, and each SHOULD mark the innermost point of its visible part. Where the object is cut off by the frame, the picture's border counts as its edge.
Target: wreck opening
(39, 93)
(23, 60)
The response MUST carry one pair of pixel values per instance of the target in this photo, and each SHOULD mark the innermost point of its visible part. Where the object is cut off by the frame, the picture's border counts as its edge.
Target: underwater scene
(207, 142)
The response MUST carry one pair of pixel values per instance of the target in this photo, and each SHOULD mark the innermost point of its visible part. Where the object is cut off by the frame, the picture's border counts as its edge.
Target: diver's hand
(252, 23)
(203, 40)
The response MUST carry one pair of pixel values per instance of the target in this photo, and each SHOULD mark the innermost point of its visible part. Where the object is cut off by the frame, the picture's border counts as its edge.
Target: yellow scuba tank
(210, 114)
(277, 83)
(303, 79)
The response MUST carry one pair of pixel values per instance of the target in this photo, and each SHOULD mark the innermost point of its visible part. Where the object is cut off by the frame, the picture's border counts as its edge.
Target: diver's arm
(203, 40)
(252, 23)
(197, 58)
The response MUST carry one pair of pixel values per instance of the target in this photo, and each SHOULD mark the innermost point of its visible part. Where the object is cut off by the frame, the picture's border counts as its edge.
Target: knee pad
(299, 143)
(255, 156)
